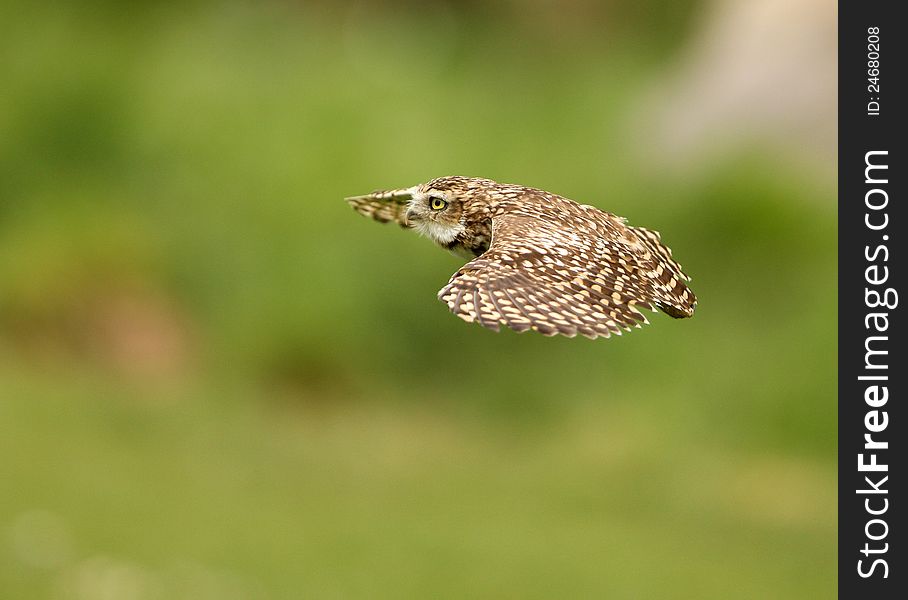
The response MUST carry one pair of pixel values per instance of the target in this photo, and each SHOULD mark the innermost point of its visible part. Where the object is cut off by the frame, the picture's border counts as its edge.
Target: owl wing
(565, 274)
(383, 206)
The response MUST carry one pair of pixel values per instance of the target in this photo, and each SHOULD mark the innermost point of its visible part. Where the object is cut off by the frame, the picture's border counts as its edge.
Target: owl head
(436, 208)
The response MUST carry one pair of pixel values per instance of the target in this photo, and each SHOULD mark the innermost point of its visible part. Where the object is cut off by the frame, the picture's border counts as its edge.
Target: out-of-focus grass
(202, 493)
(219, 381)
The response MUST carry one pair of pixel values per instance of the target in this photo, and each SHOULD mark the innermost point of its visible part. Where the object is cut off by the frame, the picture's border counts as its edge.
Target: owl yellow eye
(437, 203)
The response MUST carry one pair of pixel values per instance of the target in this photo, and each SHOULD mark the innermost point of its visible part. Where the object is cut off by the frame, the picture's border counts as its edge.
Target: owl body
(539, 261)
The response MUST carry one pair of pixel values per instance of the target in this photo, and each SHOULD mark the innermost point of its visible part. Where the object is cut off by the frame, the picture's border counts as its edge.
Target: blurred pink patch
(756, 72)
(140, 334)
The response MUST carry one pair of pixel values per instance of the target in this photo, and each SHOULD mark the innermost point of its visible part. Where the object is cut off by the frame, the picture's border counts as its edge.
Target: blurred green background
(217, 381)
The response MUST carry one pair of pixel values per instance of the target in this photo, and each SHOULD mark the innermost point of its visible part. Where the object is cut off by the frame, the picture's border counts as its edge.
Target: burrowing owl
(538, 261)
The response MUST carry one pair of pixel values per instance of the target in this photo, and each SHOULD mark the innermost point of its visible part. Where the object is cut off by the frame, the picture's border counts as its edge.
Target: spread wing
(565, 272)
(384, 206)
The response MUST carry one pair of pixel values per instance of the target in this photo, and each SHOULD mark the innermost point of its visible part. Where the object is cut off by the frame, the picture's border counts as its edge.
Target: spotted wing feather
(564, 272)
(383, 208)
(673, 296)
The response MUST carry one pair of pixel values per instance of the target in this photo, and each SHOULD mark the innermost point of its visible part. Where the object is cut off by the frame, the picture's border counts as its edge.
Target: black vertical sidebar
(873, 438)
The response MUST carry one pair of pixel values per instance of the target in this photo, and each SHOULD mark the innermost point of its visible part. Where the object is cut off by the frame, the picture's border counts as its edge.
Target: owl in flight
(538, 261)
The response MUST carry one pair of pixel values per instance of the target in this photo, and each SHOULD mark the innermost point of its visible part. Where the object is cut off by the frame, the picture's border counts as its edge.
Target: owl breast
(473, 240)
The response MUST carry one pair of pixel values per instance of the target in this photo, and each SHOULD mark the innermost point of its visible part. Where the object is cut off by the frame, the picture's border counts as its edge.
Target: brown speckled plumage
(542, 262)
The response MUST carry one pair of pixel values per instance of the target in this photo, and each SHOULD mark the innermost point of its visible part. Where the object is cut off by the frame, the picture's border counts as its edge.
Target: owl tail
(670, 291)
